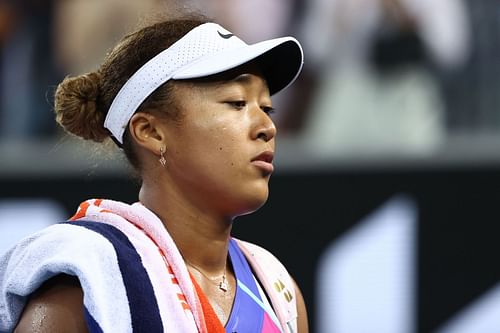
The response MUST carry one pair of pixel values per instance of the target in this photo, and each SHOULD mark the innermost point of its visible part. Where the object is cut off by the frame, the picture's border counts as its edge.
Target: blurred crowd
(394, 75)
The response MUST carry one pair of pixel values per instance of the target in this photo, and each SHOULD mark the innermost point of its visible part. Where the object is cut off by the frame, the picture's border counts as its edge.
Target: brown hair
(82, 102)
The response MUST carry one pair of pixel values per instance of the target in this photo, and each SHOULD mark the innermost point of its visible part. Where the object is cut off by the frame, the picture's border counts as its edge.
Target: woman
(189, 103)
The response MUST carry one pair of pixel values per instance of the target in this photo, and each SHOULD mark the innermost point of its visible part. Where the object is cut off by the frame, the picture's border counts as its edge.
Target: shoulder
(69, 234)
(59, 245)
(282, 289)
(302, 318)
(61, 248)
(264, 262)
(261, 254)
(57, 306)
(66, 237)
(280, 284)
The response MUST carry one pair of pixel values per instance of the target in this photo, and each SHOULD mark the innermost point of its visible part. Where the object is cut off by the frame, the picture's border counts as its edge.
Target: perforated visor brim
(280, 60)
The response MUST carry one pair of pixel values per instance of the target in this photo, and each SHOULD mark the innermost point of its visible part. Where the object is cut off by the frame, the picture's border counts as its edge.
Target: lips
(264, 161)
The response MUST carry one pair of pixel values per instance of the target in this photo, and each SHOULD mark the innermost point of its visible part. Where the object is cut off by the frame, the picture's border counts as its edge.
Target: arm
(302, 321)
(57, 306)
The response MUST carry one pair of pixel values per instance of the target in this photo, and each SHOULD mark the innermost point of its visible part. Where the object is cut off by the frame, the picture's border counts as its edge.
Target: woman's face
(220, 155)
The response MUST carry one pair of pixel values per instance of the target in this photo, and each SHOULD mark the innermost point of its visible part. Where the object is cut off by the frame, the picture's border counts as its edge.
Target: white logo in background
(482, 316)
(366, 278)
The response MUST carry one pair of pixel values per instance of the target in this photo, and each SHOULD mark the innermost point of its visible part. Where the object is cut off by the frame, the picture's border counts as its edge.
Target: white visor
(206, 50)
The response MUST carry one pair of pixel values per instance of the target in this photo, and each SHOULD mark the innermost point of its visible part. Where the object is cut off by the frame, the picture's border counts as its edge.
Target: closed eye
(237, 104)
(268, 109)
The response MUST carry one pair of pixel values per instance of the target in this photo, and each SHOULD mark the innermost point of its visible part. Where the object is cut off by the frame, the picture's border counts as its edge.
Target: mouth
(264, 162)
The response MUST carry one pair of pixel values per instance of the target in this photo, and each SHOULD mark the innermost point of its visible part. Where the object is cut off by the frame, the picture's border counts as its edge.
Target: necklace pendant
(223, 285)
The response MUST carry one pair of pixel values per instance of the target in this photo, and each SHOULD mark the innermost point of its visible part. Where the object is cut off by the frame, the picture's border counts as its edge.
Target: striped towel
(133, 276)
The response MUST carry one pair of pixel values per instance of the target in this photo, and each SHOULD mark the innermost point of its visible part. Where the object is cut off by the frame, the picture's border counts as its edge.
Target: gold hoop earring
(163, 160)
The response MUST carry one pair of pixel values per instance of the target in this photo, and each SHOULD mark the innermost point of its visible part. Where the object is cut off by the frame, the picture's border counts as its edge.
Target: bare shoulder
(57, 306)
(302, 320)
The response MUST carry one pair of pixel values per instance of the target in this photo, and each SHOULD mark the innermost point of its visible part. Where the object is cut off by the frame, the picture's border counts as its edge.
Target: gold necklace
(222, 284)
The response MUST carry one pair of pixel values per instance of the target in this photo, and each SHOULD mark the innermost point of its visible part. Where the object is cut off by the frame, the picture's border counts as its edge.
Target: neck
(201, 237)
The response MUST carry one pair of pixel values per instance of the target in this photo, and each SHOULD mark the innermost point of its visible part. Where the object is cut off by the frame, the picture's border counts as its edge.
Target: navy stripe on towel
(144, 310)
(92, 325)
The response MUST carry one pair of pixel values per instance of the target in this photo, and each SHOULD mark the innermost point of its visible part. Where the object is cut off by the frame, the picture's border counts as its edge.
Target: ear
(147, 132)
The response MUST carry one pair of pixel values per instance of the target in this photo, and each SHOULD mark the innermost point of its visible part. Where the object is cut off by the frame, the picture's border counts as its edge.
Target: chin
(253, 204)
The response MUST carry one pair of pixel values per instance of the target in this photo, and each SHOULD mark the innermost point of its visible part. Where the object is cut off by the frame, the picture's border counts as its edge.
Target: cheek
(213, 145)
(221, 134)
(226, 148)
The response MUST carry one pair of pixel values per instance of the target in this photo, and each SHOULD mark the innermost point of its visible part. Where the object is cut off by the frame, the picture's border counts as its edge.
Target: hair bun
(76, 107)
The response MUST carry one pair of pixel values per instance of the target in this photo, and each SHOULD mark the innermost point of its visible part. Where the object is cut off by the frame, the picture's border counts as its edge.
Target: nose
(264, 126)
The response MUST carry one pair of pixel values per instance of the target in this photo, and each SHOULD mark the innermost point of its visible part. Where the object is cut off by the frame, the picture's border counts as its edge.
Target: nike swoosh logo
(225, 36)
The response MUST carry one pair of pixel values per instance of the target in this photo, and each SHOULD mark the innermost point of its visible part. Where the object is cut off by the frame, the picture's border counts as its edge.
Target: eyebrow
(246, 79)
(243, 78)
